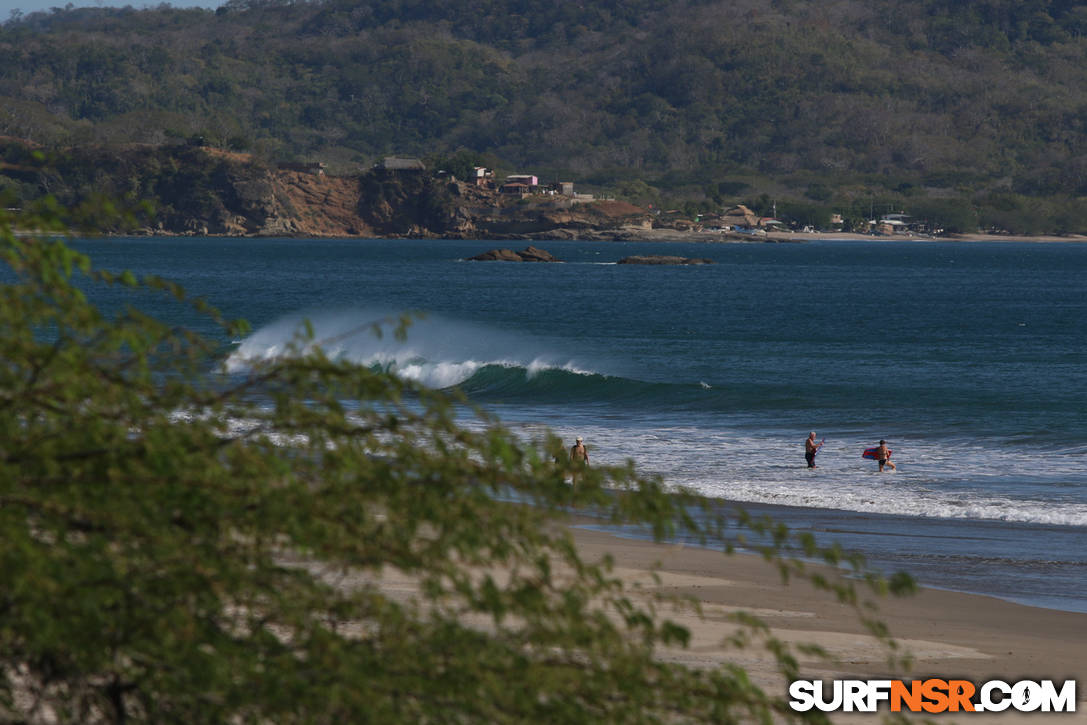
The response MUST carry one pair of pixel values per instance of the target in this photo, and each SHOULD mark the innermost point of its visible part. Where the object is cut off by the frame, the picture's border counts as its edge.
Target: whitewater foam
(936, 479)
(721, 455)
(438, 352)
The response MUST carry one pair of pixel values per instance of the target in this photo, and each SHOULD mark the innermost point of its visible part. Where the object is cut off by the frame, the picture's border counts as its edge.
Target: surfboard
(873, 453)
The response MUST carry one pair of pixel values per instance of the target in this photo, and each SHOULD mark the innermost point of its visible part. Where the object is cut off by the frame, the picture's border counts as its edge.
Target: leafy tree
(184, 543)
(237, 143)
(763, 205)
(957, 216)
(400, 202)
(1070, 216)
(818, 192)
(459, 164)
(1012, 213)
(731, 188)
(639, 192)
(803, 213)
(956, 96)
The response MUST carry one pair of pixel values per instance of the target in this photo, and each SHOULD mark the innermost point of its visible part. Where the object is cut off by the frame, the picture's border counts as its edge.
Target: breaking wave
(438, 353)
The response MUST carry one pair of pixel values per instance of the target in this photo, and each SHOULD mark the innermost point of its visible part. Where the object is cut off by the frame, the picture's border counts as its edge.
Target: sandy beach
(673, 235)
(949, 634)
(846, 236)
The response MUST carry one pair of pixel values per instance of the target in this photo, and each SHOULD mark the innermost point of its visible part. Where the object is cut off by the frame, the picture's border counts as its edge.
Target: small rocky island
(530, 254)
(664, 259)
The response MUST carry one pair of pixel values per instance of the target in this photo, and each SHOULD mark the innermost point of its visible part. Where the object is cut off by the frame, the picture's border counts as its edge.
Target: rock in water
(531, 254)
(497, 255)
(664, 259)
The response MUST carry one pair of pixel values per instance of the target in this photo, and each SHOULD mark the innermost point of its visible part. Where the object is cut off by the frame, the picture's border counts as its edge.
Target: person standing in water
(883, 456)
(579, 456)
(811, 448)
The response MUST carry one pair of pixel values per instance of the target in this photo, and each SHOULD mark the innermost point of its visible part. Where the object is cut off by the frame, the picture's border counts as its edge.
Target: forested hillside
(975, 108)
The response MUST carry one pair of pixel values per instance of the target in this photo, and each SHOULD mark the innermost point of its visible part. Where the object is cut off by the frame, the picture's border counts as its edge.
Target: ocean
(970, 359)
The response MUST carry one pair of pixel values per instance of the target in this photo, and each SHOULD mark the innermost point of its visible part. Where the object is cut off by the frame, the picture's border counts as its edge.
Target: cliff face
(197, 190)
(192, 190)
(406, 203)
(247, 198)
(319, 206)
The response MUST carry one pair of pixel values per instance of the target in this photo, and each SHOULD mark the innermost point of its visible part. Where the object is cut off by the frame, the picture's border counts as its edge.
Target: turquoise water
(969, 358)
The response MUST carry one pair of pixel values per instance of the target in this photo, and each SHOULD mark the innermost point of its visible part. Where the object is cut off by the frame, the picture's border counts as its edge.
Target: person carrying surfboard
(883, 456)
(811, 448)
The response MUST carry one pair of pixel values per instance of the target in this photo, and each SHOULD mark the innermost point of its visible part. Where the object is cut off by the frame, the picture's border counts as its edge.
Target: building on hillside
(566, 188)
(906, 223)
(892, 224)
(526, 179)
(397, 163)
(713, 221)
(740, 216)
(482, 176)
(515, 188)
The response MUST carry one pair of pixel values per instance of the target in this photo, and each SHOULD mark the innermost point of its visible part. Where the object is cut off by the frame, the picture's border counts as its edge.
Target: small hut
(740, 216)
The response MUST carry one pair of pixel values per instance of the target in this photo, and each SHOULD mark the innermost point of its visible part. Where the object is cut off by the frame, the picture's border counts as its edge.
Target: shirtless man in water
(811, 448)
(883, 456)
(580, 457)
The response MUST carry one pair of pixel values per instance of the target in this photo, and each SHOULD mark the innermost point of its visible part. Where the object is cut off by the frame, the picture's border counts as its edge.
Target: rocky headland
(204, 191)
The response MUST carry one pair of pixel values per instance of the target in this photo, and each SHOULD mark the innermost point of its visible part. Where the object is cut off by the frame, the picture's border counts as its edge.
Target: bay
(968, 358)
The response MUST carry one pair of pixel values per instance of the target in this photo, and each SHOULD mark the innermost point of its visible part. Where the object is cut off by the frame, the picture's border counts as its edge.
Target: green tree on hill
(183, 544)
(932, 93)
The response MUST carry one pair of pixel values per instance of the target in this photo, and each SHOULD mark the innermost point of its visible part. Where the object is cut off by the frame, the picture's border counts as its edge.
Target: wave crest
(438, 353)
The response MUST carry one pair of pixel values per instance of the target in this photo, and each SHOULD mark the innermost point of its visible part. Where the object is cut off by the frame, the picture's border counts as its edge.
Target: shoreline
(672, 235)
(1032, 564)
(662, 235)
(887, 539)
(949, 634)
(644, 235)
(847, 237)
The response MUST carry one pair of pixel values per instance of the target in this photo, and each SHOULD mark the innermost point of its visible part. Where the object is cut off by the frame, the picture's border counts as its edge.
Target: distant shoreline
(842, 236)
(635, 234)
(674, 235)
(628, 234)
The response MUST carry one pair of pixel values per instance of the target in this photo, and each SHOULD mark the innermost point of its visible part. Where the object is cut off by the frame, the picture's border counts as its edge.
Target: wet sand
(949, 634)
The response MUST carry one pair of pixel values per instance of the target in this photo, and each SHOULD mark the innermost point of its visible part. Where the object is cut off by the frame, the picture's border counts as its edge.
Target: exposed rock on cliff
(202, 190)
(195, 190)
(255, 200)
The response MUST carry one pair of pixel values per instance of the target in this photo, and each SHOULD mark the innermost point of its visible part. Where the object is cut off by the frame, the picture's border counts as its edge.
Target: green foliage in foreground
(179, 545)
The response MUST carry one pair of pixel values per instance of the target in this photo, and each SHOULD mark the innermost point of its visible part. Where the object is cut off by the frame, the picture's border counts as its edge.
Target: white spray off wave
(438, 352)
